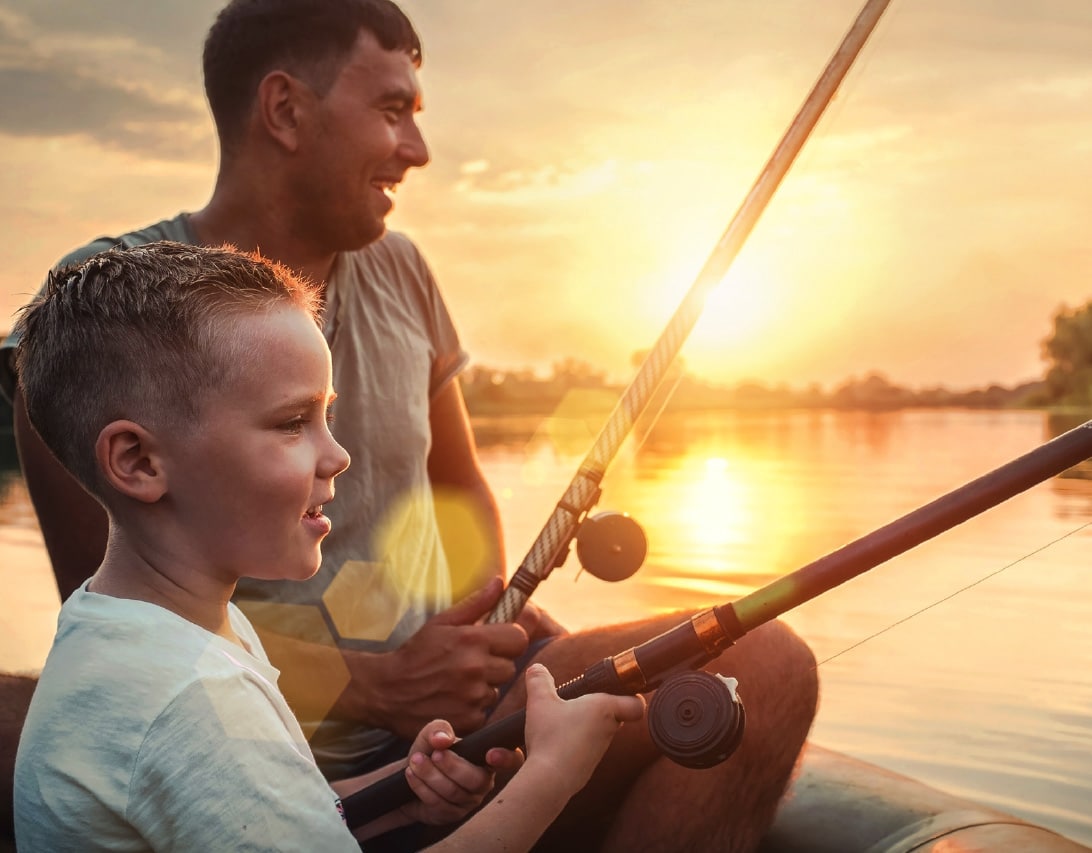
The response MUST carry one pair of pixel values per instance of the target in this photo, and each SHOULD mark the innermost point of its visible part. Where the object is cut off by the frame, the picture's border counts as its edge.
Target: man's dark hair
(309, 39)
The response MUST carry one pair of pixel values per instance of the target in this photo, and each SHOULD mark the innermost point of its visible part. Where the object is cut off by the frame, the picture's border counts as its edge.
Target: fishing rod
(551, 547)
(703, 636)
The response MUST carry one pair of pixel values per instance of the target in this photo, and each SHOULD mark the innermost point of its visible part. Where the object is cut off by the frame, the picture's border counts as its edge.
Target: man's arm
(73, 523)
(457, 479)
(454, 471)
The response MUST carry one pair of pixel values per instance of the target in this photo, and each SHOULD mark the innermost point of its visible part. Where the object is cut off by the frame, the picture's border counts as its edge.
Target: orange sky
(587, 156)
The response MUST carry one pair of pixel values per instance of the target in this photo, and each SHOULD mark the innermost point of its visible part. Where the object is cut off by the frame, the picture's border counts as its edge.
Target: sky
(586, 158)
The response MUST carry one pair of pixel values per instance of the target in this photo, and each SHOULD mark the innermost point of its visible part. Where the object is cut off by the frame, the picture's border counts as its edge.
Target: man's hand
(538, 623)
(450, 669)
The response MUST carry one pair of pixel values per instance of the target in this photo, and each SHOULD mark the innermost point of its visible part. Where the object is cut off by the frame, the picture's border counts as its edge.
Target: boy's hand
(572, 735)
(448, 787)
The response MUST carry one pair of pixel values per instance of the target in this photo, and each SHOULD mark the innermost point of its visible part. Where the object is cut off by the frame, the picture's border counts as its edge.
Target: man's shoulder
(176, 228)
(394, 246)
(392, 262)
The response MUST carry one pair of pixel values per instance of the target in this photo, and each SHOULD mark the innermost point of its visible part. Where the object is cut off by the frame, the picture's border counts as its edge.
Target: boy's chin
(297, 572)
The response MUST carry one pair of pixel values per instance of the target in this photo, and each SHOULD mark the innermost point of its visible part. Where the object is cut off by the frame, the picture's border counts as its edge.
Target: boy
(189, 391)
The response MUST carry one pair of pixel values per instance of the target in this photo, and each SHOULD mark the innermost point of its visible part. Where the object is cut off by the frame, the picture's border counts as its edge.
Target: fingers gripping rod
(551, 547)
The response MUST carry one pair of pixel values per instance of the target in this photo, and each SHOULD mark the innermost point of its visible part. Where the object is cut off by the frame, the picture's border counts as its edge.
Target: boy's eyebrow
(312, 400)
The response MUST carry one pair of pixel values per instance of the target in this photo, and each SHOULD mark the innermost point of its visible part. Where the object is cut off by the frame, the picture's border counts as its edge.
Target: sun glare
(738, 314)
(740, 309)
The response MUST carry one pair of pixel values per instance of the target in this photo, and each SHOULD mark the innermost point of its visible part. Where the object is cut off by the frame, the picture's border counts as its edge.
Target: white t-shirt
(147, 732)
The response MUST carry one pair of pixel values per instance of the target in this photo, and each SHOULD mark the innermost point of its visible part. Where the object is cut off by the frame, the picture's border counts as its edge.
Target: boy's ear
(282, 105)
(130, 461)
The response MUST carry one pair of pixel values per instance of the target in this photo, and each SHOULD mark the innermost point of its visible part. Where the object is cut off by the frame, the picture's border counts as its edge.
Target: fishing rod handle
(394, 791)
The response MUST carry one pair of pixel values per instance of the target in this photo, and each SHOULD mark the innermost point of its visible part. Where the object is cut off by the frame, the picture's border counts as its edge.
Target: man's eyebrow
(406, 96)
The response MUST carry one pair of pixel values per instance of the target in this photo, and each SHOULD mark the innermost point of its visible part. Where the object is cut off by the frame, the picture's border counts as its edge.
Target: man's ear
(282, 104)
(130, 461)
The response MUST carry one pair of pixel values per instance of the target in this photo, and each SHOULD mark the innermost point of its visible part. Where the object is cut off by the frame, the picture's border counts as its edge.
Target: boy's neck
(204, 603)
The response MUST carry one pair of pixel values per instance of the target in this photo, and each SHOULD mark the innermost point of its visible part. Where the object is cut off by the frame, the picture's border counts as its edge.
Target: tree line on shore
(496, 392)
(1067, 382)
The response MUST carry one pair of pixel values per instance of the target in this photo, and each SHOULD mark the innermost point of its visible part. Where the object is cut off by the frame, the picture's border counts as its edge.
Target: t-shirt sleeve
(219, 771)
(9, 344)
(169, 229)
(450, 357)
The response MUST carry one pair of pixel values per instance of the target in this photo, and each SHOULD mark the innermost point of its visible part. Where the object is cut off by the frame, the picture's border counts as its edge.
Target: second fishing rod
(703, 636)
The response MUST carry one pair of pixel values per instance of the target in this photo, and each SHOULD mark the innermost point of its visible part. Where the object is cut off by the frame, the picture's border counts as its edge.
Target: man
(315, 104)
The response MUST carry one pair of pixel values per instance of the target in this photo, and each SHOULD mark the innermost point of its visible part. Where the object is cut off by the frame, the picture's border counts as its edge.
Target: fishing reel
(696, 718)
(611, 545)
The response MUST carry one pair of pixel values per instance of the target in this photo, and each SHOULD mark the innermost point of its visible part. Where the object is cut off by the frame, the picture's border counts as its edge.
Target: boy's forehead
(275, 347)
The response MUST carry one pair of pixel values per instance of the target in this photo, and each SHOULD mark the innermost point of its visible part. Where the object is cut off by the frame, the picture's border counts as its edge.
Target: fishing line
(952, 595)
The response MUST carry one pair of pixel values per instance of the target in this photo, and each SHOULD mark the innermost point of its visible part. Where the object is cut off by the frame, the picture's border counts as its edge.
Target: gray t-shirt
(383, 573)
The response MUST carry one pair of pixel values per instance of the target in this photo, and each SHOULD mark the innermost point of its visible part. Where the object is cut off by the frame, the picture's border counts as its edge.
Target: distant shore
(577, 389)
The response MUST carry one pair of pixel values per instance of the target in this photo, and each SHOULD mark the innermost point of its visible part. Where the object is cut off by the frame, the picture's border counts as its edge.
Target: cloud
(52, 87)
(51, 102)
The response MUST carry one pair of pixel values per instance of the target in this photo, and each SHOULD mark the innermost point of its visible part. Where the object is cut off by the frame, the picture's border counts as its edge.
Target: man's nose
(412, 147)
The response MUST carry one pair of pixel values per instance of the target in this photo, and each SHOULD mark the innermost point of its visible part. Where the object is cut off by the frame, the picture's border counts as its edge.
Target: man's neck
(246, 229)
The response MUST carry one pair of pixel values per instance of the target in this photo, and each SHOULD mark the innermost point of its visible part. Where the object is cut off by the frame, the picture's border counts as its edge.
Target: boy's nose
(336, 460)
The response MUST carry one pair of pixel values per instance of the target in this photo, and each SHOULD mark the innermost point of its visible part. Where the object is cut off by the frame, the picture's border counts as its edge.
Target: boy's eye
(294, 426)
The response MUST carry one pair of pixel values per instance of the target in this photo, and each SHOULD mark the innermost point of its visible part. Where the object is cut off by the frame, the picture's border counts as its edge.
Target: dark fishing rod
(706, 634)
(551, 547)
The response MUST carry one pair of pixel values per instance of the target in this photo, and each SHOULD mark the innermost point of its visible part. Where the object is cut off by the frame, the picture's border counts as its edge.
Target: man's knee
(774, 661)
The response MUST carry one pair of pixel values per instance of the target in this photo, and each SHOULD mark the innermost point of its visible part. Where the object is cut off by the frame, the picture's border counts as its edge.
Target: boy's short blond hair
(140, 334)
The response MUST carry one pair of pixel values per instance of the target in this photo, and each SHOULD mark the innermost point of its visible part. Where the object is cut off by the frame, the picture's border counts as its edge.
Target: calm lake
(981, 680)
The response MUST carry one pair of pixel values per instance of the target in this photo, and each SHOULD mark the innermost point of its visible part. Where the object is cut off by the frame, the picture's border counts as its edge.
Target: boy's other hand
(448, 787)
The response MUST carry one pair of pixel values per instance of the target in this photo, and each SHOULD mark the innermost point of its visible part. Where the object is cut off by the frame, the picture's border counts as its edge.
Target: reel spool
(696, 719)
(611, 545)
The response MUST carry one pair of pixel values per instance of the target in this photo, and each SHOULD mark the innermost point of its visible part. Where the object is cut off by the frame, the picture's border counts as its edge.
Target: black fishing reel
(696, 718)
(611, 545)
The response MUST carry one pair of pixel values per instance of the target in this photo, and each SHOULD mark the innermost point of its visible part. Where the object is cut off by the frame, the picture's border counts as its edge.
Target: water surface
(966, 663)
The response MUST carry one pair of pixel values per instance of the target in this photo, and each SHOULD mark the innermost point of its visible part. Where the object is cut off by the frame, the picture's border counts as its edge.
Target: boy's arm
(565, 741)
(73, 523)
